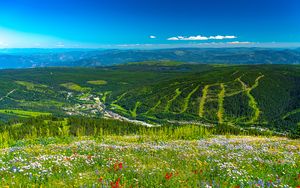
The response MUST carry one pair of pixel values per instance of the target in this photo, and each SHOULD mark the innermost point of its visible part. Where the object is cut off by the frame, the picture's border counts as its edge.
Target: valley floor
(138, 161)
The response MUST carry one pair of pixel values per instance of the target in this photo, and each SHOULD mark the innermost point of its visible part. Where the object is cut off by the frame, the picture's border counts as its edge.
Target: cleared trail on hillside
(252, 101)
(169, 103)
(213, 98)
(115, 105)
(187, 99)
(221, 96)
(7, 95)
(296, 111)
(154, 107)
(119, 98)
(133, 111)
(203, 100)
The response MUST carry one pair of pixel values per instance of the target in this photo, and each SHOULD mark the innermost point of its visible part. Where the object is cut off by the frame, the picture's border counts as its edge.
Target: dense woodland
(49, 126)
(248, 98)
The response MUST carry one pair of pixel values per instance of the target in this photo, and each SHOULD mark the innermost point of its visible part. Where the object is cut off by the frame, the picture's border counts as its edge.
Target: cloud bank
(238, 42)
(199, 37)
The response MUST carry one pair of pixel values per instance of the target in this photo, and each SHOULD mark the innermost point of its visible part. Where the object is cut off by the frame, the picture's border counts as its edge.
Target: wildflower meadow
(138, 161)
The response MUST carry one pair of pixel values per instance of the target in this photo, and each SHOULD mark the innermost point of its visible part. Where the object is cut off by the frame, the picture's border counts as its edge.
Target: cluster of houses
(87, 105)
(91, 105)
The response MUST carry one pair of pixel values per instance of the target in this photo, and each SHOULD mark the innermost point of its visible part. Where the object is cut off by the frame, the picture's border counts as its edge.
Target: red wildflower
(116, 184)
(100, 179)
(118, 166)
(67, 158)
(168, 176)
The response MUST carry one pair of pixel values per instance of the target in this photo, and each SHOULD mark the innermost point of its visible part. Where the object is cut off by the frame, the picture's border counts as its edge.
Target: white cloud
(220, 37)
(238, 42)
(199, 37)
(173, 38)
(208, 44)
(152, 37)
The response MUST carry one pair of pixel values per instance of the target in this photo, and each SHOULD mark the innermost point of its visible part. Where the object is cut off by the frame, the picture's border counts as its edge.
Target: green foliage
(133, 161)
(22, 113)
(157, 63)
(48, 126)
(192, 103)
(51, 126)
(75, 87)
(97, 82)
(33, 86)
(54, 151)
(264, 96)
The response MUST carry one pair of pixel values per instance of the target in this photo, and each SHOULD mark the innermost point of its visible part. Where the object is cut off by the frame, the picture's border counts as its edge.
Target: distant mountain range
(28, 58)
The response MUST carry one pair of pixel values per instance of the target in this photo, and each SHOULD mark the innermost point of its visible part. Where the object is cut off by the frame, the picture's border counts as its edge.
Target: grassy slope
(88, 162)
(221, 104)
(84, 152)
(22, 113)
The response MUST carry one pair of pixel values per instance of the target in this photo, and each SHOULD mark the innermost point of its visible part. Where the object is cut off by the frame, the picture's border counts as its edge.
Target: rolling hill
(17, 58)
(260, 97)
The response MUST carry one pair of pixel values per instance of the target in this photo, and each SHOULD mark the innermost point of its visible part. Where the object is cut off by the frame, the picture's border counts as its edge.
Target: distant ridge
(28, 58)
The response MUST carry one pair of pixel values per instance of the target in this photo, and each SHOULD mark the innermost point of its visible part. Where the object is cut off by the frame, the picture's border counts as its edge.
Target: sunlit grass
(137, 161)
(23, 113)
(97, 82)
(75, 87)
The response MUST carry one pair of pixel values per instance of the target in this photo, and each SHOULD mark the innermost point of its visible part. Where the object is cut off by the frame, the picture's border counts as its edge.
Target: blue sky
(149, 23)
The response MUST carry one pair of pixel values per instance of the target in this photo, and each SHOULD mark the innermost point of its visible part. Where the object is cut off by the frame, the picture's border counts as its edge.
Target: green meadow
(151, 124)
(77, 152)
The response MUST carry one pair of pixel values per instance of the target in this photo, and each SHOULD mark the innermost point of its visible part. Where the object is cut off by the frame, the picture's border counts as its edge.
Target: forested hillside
(260, 97)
